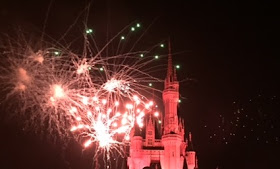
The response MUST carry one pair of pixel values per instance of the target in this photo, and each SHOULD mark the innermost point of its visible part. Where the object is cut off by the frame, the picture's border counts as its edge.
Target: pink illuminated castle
(171, 150)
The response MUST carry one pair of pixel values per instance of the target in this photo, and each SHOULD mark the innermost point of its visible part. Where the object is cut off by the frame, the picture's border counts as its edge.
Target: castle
(171, 150)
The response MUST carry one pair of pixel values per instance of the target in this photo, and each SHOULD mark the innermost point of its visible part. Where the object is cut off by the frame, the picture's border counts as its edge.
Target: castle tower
(172, 139)
(169, 152)
(170, 98)
(190, 154)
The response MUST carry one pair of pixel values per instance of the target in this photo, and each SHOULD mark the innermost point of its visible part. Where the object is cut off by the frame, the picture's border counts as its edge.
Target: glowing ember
(156, 114)
(58, 91)
(87, 143)
(82, 69)
(23, 76)
(39, 58)
(112, 84)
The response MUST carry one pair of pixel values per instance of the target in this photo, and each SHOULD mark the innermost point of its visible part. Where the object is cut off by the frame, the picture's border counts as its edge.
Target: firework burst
(97, 98)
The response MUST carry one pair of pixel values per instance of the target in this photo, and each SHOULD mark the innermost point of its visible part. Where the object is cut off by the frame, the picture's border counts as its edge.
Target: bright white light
(95, 98)
(122, 129)
(58, 91)
(124, 121)
(89, 113)
(115, 124)
(73, 128)
(102, 134)
(147, 106)
(87, 143)
(104, 101)
(140, 125)
(85, 100)
(73, 110)
(82, 69)
(139, 119)
(110, 85)
(129, 106)
(156, 114)
(129, 117)
(127, 138)
(142, 114)
(109, 110)
(135, 98)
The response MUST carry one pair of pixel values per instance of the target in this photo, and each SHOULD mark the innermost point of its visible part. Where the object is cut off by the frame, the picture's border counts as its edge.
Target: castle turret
(170, 97)
(150, 132)
(191, 157)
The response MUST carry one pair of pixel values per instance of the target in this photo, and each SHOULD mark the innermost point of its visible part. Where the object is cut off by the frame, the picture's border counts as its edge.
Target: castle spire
(169, 69)
(190, 143)
(150, 131)
(175, 74)
(171, 77)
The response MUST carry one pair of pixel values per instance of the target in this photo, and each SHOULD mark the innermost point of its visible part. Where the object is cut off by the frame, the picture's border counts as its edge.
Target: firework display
(94, 97)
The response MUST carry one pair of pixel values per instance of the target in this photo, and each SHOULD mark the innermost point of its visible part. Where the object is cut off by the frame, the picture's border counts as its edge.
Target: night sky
(228, 54)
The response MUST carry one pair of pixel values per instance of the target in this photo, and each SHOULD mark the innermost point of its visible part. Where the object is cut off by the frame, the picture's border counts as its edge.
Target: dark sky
(229, 50)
